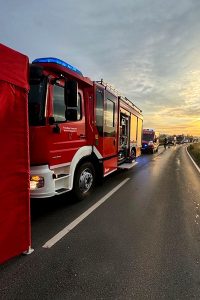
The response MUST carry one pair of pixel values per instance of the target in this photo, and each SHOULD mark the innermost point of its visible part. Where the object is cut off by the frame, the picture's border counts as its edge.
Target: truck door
(68, 129)
(106, 122)
(110, 124)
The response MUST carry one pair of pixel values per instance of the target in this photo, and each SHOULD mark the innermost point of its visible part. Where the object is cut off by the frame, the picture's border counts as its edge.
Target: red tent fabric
(14, 67)
(14, 159)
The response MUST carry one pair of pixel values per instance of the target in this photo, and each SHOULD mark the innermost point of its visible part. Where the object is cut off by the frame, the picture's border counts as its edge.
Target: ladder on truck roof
(113, 89)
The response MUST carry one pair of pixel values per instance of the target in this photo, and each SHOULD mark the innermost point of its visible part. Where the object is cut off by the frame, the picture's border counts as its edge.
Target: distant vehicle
(179, 139)
(170, 140)
(150, 141)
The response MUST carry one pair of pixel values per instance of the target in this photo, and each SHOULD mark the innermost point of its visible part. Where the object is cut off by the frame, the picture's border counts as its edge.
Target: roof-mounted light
(57, 61)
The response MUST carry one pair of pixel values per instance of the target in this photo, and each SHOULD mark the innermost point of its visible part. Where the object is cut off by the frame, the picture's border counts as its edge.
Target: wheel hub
(85, 181)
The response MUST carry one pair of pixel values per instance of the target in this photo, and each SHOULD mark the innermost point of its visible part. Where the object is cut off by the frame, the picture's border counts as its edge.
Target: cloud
(149, 50)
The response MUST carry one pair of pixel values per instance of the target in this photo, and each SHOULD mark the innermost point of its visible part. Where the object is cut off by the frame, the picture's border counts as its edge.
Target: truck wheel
(84, 180)
(133, 154)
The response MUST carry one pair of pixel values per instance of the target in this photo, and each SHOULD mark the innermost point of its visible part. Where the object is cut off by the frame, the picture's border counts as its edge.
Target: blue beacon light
(57, 61)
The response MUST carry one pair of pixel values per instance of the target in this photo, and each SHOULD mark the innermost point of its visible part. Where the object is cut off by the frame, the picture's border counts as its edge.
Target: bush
(191, 148)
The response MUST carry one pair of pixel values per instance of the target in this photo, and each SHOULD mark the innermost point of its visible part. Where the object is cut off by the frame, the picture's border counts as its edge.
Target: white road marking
(73, 224)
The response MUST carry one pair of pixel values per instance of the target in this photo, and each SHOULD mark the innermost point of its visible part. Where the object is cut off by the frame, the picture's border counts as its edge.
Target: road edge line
(74, 223)
(197, 167)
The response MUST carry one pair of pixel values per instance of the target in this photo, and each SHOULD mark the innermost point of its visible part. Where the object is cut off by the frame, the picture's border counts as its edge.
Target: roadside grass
(194, 150)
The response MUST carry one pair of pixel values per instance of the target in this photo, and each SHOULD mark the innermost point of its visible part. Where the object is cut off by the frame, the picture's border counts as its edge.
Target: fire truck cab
(79, 130)
(150, 141)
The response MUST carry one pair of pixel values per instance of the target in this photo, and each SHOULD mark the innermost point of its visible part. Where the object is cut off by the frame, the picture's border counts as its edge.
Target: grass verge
(194, 150)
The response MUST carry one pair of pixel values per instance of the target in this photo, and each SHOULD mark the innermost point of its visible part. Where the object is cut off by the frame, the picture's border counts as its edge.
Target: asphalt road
(143, 242)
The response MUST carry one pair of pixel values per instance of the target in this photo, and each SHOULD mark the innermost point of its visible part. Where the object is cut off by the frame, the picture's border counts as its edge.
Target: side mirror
(71, 114)
(71, 93)
(71, 100)
(35, 73)
(51, 120)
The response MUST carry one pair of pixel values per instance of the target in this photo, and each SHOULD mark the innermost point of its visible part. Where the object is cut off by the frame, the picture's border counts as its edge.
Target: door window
(109, 115)
(99, 110)
(59, 107)
(58, 104)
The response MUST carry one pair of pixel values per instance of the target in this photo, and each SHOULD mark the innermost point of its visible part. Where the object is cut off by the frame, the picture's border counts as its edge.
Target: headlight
(36, 182)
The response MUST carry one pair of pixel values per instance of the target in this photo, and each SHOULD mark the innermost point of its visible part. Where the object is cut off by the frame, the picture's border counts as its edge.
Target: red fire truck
(79, 130)
(150, 141)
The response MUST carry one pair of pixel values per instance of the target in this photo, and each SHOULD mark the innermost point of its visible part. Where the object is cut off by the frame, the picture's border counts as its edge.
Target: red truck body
(79, 129)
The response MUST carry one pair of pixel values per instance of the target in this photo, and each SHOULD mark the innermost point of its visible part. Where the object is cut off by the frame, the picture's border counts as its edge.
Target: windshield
(147, 137)
(36, 102)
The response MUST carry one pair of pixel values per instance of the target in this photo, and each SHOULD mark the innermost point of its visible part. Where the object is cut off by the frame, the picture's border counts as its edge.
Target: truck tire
(133, 154)
(84, 181)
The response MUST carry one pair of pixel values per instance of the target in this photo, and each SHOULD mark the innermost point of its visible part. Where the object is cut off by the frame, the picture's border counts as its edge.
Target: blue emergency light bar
(57, 61)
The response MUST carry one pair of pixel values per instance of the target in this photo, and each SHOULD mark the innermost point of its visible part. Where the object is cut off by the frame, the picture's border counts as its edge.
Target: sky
(149, 50)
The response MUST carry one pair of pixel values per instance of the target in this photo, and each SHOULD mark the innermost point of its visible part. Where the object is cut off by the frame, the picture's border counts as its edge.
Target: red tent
(15, 235)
